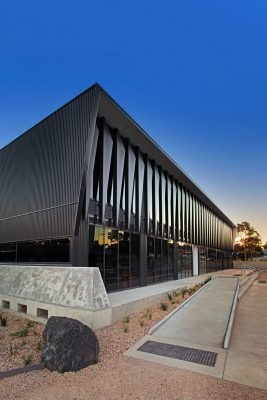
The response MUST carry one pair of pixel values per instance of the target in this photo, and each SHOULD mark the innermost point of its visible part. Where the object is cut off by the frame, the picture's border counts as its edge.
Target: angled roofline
(184, 177)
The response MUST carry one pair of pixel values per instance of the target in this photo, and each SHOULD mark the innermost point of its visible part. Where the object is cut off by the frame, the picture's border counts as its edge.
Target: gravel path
(118, 377)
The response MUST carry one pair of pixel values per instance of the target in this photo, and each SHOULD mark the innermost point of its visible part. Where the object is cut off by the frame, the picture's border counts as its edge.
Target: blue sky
(191, 73)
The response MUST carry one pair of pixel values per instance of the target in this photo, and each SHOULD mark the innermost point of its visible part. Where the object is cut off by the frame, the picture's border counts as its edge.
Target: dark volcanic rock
(69, 345)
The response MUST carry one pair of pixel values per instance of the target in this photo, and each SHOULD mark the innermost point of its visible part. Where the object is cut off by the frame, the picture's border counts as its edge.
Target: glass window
(111, 259)
(8, 252)
(158, 261)
(150, 260)
(170, 259)
(56, 250)
(164, 260)
(149, 199)
(184, 260)
(202, 260)
(96, 248)
(135, 264)
(124, 258)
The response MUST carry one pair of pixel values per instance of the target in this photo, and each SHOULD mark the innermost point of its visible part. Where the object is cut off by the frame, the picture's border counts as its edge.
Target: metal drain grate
(197, 356)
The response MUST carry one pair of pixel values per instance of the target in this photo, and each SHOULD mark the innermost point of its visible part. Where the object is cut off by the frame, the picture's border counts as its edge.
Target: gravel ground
(118, 377)
(20, 342)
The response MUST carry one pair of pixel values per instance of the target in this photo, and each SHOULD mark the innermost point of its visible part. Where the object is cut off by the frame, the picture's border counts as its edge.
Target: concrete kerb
(245, 287)
(160, 323)
(231, 317)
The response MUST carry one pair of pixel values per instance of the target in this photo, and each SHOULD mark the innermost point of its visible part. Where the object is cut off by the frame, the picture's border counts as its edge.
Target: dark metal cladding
(88, 172)
(41, 174)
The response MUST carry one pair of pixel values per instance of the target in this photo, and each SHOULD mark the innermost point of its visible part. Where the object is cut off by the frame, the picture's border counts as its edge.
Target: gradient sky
(193, 74)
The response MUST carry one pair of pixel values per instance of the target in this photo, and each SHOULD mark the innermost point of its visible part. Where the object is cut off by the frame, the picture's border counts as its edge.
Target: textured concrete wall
(75, 292)
(67, 286)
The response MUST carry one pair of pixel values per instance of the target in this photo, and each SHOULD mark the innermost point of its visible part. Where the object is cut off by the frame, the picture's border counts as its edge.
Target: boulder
(69, 345)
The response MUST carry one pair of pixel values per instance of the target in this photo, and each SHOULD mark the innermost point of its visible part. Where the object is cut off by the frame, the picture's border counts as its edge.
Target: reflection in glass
(135, 265)
(158, 274)
(56, 250)
(111, 259)
(150, 260)
(124, 256)
(170, 259)
(184, 260)
(96, 248)
(164, 260)
(7, 252)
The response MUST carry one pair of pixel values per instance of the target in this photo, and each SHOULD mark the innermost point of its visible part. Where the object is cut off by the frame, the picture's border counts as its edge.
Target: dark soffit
(118, 118)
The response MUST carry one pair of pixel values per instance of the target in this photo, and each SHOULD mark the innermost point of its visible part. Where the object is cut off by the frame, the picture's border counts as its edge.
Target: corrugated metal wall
(41, 173)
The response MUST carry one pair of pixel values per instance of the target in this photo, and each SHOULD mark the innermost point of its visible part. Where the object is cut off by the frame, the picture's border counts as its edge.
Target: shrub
(170, 296)
(183, 291)
(141, 323)
(126, 319)
(29, 323)
(148, 313)
(125, 327)
(39, 345)
(3, 320)
(173, 301)
(163, 306)
(209, 278)
(27, 360)
(12, 350)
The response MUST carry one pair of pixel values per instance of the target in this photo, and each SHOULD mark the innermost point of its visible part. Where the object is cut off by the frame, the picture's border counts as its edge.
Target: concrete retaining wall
(42, 291)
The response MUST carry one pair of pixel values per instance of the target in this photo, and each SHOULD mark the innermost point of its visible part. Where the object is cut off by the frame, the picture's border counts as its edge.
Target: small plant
(39, 345)
(125, 327)
(126, 319)
(163, 306)
(190, 291)
(22, 333)
(13, 350)
(148, 313)
(3, 320)
(29, 323)
(173, 301)
(35, 332)
(183, 291)
(23, 343)
(141, 323)
(170, 296)
(27, 360)
(209, 278)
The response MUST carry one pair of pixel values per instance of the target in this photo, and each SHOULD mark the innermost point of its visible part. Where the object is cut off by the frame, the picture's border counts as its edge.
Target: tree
(265, 246)
(248, 240)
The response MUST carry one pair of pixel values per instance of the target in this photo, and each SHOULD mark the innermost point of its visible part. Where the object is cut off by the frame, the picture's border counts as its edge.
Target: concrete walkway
(204, 319)
(137, 299)
(247, 355)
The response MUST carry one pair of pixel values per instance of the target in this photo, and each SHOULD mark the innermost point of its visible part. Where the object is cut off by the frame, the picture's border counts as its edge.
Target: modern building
(88, 187)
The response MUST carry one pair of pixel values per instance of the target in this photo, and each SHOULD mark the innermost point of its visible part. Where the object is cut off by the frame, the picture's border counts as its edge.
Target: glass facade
(140, 221)
(38, 251)
(184, 260)
(116, 254)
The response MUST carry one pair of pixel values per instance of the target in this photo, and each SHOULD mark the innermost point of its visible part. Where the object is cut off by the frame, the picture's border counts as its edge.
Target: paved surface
(204, 319)
(247, 355)
(128, 296)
